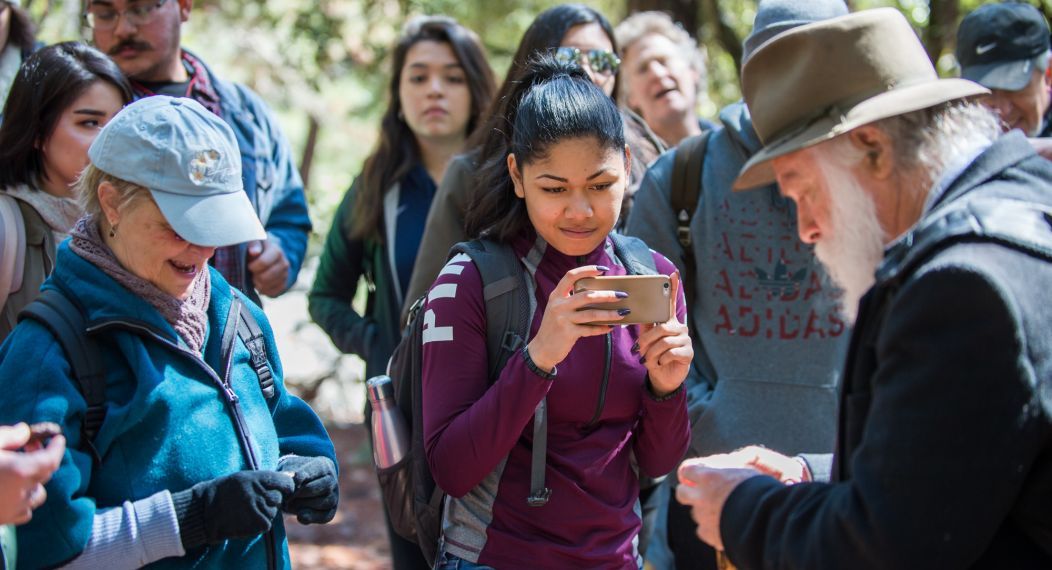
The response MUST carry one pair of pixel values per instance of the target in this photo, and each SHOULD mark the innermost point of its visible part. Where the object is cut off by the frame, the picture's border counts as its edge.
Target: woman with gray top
(60, 99)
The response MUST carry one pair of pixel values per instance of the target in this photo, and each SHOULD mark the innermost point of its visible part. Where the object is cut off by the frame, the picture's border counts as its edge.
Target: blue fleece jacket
(168, 425)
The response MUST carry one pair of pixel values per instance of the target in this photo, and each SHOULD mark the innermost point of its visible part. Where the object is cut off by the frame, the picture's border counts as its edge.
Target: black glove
(241, 505)
(317, 488)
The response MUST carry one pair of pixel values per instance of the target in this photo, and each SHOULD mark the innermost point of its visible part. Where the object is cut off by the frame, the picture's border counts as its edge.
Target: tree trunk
(683, 11)
(941, 33)
(723, 32)
(313, 126)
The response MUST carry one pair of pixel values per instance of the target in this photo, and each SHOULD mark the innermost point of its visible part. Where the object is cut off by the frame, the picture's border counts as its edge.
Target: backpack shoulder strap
(509, 310)
(686, 181)
(250, 333)
(634, 254)
(12, 247)
(65, 320)
(507, 298)
(1025, 226)
(686, 189)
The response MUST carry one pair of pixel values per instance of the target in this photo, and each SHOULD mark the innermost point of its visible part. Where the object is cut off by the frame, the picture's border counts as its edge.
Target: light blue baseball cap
(189, 160)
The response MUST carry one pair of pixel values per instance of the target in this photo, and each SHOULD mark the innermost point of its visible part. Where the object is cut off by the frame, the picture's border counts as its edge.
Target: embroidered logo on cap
(203, 167)
(981, 49)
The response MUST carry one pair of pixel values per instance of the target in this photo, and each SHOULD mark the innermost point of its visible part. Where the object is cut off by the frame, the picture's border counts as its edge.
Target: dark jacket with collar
(944, 453)
(372, 335)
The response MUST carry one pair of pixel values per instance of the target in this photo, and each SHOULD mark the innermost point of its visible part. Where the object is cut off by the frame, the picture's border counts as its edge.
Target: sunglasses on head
(600, 61)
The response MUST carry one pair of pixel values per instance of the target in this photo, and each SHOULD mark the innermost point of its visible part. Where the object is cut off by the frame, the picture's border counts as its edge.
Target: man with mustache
(767, 323)
(143, 38)
(944, 444)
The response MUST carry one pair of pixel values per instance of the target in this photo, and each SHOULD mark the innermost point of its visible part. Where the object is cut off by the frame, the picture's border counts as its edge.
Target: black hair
(46, 85)
(551, 102)
(21, 31)
(544, 35)
(397, 150)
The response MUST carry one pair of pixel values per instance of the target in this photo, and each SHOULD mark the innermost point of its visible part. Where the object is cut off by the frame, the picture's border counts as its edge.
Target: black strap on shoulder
(64, 319)
(507, 299)
(252, 335)
(686, 189)
(1025, 226)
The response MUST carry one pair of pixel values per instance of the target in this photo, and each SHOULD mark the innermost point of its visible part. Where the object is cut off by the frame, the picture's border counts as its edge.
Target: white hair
(854, 245)
(928, 141)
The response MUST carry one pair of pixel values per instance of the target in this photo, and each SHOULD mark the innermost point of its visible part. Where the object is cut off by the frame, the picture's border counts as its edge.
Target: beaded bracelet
(536, 369)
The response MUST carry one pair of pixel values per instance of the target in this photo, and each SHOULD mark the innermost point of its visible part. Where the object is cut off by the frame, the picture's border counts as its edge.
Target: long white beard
(854, 246)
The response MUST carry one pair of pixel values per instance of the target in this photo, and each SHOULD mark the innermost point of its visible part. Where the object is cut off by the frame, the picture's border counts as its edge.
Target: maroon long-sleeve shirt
(479, 436)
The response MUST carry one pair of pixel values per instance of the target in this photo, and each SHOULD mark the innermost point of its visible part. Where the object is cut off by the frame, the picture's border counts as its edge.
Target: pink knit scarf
(189, 318)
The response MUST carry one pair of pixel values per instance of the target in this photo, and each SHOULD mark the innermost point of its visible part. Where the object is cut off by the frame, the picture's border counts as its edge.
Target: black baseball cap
(997, 44)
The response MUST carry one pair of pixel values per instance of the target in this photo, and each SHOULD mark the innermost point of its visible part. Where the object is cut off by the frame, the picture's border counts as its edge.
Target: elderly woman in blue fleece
(201, 448)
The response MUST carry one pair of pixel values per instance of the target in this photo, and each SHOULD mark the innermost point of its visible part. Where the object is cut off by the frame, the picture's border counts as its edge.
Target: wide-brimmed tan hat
(821, 80)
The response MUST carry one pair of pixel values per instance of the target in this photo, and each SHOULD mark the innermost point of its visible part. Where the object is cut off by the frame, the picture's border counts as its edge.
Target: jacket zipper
(233, 402)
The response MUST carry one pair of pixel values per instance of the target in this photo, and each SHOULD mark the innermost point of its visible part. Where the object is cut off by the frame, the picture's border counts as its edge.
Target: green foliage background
(325, 61)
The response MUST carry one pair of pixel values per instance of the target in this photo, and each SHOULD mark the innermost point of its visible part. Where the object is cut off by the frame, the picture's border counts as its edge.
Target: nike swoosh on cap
(981, 49)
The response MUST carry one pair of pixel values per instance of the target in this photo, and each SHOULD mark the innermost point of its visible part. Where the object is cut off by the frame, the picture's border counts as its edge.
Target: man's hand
(786, 469)
(23, 474)
(269, 267)
(705, 484)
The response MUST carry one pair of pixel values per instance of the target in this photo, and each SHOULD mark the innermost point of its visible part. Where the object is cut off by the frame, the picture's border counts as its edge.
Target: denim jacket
(271, 179)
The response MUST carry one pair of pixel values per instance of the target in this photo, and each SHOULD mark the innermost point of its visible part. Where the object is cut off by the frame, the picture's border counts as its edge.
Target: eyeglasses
(104, 17)
(600, 61)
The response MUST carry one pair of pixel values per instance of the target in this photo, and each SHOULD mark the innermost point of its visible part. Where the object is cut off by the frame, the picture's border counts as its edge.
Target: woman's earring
(113, 231)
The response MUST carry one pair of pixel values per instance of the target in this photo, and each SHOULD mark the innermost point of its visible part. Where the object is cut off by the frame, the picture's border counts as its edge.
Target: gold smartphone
(648, 297)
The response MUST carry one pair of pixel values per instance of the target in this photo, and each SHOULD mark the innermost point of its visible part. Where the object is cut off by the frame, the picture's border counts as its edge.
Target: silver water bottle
(390, 432)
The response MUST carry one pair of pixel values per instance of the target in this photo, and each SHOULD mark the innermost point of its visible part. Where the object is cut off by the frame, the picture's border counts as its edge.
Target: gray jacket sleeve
(820, 465)
(653, 221)
(132, 535)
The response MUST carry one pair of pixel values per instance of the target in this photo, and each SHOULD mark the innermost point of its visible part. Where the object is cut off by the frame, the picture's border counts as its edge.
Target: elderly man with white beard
(938, 229)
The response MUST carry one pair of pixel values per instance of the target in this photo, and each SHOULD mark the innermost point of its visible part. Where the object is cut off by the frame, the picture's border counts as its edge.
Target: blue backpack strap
(65, 320)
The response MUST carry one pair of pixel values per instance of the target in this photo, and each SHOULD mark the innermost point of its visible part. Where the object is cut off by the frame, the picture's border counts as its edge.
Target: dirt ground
(356, 538)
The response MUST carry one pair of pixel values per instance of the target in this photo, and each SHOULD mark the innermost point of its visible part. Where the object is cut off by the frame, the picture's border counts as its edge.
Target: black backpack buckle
(512, 341)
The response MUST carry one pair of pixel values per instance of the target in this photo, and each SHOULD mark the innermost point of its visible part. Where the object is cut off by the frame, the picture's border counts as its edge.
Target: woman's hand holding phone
(565, 320)
(666, 349)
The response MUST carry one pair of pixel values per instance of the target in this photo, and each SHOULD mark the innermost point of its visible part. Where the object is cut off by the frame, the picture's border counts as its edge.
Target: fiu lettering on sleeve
(433, 332)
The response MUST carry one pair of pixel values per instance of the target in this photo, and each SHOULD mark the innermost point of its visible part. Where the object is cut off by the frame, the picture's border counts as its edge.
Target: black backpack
(65, 320)
(413, 500)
